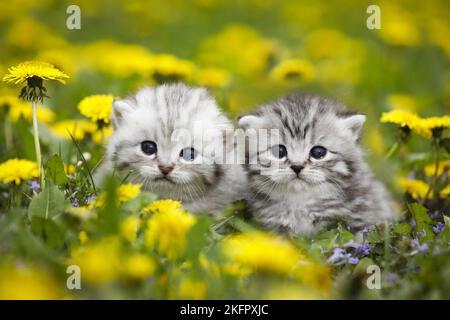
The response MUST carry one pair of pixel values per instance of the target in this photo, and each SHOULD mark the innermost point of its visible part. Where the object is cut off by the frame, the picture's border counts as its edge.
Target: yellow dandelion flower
(97, 107)
(139, 266)
(129, 228)
(163, 206)
(18, 170)
(437, 122)
(83, 237)
(444, 166)
(293, 69)
(167, 65)
(416, 188)
(77, 128)
(324, 43)
(18, 282)
(263, 252)
(403, 102)
(128, 191)
(213, 77)
(99, 261)
(69, 169)
(407, 119)
(166, 231)
(30, 69)
(23, 109)
(102, 135)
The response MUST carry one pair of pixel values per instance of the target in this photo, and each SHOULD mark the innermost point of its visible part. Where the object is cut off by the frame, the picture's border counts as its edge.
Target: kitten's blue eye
(149, 147)
(279, 151)
(188, 154)
(318, 152)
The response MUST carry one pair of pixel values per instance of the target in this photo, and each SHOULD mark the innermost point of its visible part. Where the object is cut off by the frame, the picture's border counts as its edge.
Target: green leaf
(45, 214)
(422, 218)
(55, 170)
(374, 236)
(403, 228)
(197, 237)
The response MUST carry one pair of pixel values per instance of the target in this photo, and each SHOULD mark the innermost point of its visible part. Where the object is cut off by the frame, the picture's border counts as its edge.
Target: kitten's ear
(354, 123)
(250, 121)
(119, 109)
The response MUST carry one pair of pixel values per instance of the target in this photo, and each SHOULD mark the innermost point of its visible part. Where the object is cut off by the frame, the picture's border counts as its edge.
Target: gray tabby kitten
(315, 175)
(163, 137)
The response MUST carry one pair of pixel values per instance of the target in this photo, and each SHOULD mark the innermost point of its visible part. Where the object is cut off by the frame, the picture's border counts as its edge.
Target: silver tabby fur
(339, 187)
(155, 114)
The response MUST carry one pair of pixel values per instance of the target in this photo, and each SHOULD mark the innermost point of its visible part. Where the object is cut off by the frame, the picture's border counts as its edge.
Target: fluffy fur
(338, 187)
(174, 117)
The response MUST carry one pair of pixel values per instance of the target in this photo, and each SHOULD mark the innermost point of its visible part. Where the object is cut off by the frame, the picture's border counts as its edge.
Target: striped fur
(339, 187)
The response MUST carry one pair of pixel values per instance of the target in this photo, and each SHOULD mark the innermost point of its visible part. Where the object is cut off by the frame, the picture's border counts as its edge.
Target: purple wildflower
(338, 256)
(423, 248)
(353, 260)
(392, 277)
(75, 203)
(434, 214)
(90, 199)
(422, 233)
(439, 227)
(35, 186)
(415, 242)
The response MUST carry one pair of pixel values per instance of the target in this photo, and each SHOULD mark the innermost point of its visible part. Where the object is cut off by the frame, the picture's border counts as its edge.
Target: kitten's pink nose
(296, 169)
(165, 170)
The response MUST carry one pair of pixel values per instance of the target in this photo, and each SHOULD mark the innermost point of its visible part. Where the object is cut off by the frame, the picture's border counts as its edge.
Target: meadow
(63, 237)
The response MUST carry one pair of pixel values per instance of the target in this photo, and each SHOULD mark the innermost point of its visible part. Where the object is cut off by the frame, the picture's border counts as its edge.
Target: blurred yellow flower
(439, 33)
(225, 50)
(64, 58)
(10, 101)
(117, 59)
(263, 252)
(293, 69)
(77, 128)
(69, 169)
(129, 228)
(445, 192)
(19, 282)
(444, 166)
(18, 170)
(416, 188)
(24, 109)
(99, 261)
(97, 107)
(325, 43)
(163, 206)
(399, 27)
(139, 266)
(213, 77)
(407, 119)
(375, 140)
(82, 213)
(403, 102)
(83, 237)
(30, 69)
(30, 34)
(102, 135)
(167, 229)
(167, 65)
(290, 291)
(189, 289)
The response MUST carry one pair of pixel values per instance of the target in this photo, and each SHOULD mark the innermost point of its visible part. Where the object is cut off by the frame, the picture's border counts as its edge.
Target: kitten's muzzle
(297, 169)
(165, 170)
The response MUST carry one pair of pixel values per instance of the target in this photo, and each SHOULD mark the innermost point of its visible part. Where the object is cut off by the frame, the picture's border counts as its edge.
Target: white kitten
(164, 137)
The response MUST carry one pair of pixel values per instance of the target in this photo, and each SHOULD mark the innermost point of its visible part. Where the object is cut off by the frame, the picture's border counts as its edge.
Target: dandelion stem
(37, 145)
(8, 134)
(436, 170)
